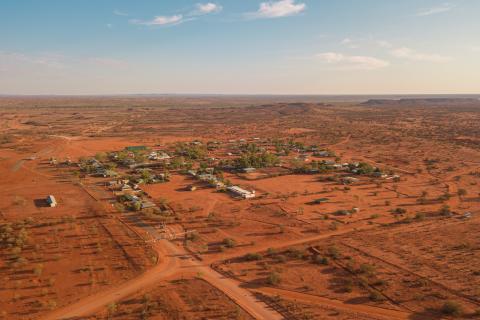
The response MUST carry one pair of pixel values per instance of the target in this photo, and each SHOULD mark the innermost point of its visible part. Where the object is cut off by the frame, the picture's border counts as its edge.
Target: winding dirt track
(376, 312)
(93, 303)
(176, 261)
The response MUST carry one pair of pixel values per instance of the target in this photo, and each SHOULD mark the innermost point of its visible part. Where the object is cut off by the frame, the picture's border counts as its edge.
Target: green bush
(321, 260)
(451, 308)
(375, 296)
(445, 210)
(229, 242)
(333, 252)
(399, 211)
(273, 279)
(271, 251)
(253, 256)
(366, 269)
(420, 216)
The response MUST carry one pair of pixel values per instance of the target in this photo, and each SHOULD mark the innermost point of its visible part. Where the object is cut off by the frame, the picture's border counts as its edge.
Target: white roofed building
(245, 194)
(51, 201)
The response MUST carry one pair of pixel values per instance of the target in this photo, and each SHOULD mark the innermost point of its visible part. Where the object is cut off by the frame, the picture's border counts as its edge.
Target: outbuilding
(245, 194)
(51, 201)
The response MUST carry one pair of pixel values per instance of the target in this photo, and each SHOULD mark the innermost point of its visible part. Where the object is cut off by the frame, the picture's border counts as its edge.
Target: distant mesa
(421, 101)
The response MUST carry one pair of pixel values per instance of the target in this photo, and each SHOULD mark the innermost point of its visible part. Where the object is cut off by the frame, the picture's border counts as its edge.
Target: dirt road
(285, 244)
(176, 261)
(93, 303)
(374, 312)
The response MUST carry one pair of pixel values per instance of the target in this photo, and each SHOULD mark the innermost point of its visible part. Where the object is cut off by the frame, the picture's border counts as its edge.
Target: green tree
(273, 279)
(461, 193)
(101, 156)
(229, 242)
(445, 210)
(146, 176)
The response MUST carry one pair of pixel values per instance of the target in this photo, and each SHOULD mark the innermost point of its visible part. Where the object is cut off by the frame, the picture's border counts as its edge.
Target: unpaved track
(375, 312)
(285, 244)
(93, 303)
(242, 297)
(176, 261)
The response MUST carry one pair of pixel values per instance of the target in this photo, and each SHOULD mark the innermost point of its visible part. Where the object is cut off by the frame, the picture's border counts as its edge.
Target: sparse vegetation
(273, 279)
(451, 308)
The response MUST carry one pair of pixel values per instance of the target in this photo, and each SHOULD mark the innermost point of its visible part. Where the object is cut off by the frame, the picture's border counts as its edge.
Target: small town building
(153, 156)
(349, 180)
(163, 156)
(51, 201)
(206, 177)
(131, 197)
(136, 148)
(210, 170)
(322, 154)
(147, 204)
(241, 192)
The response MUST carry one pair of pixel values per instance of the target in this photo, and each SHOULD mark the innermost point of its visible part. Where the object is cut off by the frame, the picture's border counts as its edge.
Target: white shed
(51, 201)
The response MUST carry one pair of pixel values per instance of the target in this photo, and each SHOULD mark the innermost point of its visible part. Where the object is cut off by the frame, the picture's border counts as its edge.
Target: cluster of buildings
(138, 202)
(207, 177)
(96, 168)
(130, 192)
(129, 156)
(214, 182)
(122, 187)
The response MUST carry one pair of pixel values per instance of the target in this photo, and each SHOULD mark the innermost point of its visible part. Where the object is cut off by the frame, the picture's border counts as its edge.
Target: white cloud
(475, 48)
(161, 20)
(435, 10)
(413, 55)
(200, 10)
(343, 61)
(277, 9)
(207, 8)
(120, 13)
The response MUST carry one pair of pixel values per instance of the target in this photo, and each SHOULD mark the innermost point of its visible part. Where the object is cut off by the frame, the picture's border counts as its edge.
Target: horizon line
(236, 94)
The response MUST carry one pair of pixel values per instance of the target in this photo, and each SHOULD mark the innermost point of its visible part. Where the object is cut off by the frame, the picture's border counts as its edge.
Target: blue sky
(239, 46)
